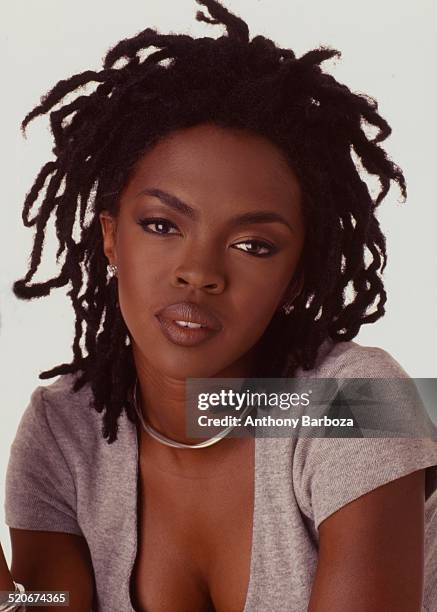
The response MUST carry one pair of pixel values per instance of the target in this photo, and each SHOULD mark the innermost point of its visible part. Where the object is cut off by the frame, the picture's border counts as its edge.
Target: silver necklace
(173, 443)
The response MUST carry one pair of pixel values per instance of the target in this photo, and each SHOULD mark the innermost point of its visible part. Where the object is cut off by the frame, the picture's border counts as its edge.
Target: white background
(387, 52)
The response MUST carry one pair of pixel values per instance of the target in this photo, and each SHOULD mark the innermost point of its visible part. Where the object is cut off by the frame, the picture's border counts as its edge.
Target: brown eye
(258, 248)
(158, 222)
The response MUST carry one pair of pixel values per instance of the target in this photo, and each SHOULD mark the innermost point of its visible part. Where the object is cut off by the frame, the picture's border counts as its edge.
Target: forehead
(213, 160)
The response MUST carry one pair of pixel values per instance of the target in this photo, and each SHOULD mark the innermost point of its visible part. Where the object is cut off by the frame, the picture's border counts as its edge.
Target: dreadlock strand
(33, 194)
(43, 216)
(25, 291)
(129, 47)
(60, 91)
(236, 27)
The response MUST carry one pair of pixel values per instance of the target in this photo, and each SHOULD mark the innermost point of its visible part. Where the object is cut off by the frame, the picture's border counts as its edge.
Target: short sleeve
(332, 472)
(329, 472)
(40, 491)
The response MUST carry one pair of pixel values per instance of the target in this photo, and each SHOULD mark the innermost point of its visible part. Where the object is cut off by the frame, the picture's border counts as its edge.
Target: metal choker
(173, 443)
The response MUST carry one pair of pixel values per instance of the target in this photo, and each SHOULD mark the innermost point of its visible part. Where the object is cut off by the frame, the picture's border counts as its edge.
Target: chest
(194, 538)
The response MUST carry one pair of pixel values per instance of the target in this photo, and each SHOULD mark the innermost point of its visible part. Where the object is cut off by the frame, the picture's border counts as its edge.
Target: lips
(191, 313)
(187, 312)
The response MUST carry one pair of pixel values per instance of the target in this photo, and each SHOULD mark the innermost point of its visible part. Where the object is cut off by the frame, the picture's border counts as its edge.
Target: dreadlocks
(138, 98)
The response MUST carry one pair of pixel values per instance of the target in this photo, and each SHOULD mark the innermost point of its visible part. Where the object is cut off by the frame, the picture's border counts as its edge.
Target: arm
(54, 561)
(371, 554)
(6, 582)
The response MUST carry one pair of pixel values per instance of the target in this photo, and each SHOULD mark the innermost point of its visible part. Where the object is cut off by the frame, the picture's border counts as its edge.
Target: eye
(258, 248)
(157, 222)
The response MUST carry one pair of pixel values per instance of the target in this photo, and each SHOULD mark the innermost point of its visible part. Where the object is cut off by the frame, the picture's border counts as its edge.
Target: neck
(162, 401)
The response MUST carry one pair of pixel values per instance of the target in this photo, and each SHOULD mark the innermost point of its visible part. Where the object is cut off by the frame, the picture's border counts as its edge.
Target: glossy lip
(193, 313)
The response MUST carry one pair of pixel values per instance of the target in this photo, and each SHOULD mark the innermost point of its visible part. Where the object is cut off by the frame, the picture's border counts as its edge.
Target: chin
(184, 367)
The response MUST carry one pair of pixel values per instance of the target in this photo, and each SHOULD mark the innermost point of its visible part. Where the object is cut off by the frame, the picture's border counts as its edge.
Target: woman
(211, 184)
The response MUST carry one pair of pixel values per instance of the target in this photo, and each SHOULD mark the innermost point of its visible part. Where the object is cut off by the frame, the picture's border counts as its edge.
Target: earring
(288, 307)
(112, 270)
(295, 290)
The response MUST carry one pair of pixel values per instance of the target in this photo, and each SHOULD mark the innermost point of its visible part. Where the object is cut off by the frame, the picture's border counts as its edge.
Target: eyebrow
(259, 216)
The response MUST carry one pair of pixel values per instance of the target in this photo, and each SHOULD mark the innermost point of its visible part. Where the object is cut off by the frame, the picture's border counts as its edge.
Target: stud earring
(112, 270)
(288, 307)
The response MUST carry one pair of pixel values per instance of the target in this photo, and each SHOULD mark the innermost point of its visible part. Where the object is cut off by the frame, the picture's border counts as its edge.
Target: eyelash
(158, 220)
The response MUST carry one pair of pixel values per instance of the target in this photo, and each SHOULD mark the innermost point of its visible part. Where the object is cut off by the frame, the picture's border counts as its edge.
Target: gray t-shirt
(63, 476)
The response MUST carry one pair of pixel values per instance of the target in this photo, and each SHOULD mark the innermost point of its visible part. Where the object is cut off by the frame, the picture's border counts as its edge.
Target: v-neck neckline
(133, 431)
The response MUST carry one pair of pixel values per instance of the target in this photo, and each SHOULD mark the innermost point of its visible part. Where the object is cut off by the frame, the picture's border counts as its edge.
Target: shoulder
(57, 413)
(331, 471)
(56, 437)
(353, 360)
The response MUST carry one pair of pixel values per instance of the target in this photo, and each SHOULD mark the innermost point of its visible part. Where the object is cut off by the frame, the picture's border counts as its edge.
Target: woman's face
(211, 216)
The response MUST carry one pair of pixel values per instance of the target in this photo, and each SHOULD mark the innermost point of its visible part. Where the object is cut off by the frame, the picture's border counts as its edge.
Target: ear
(108, 224)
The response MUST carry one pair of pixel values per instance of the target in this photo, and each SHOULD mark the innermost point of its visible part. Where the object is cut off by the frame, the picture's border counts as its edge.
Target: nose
(198, 275)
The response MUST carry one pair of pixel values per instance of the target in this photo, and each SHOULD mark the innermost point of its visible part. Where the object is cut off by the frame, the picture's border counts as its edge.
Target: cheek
(139, 295)
(139, 267)
(137, 277)
(253, 305)
(261, 288)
